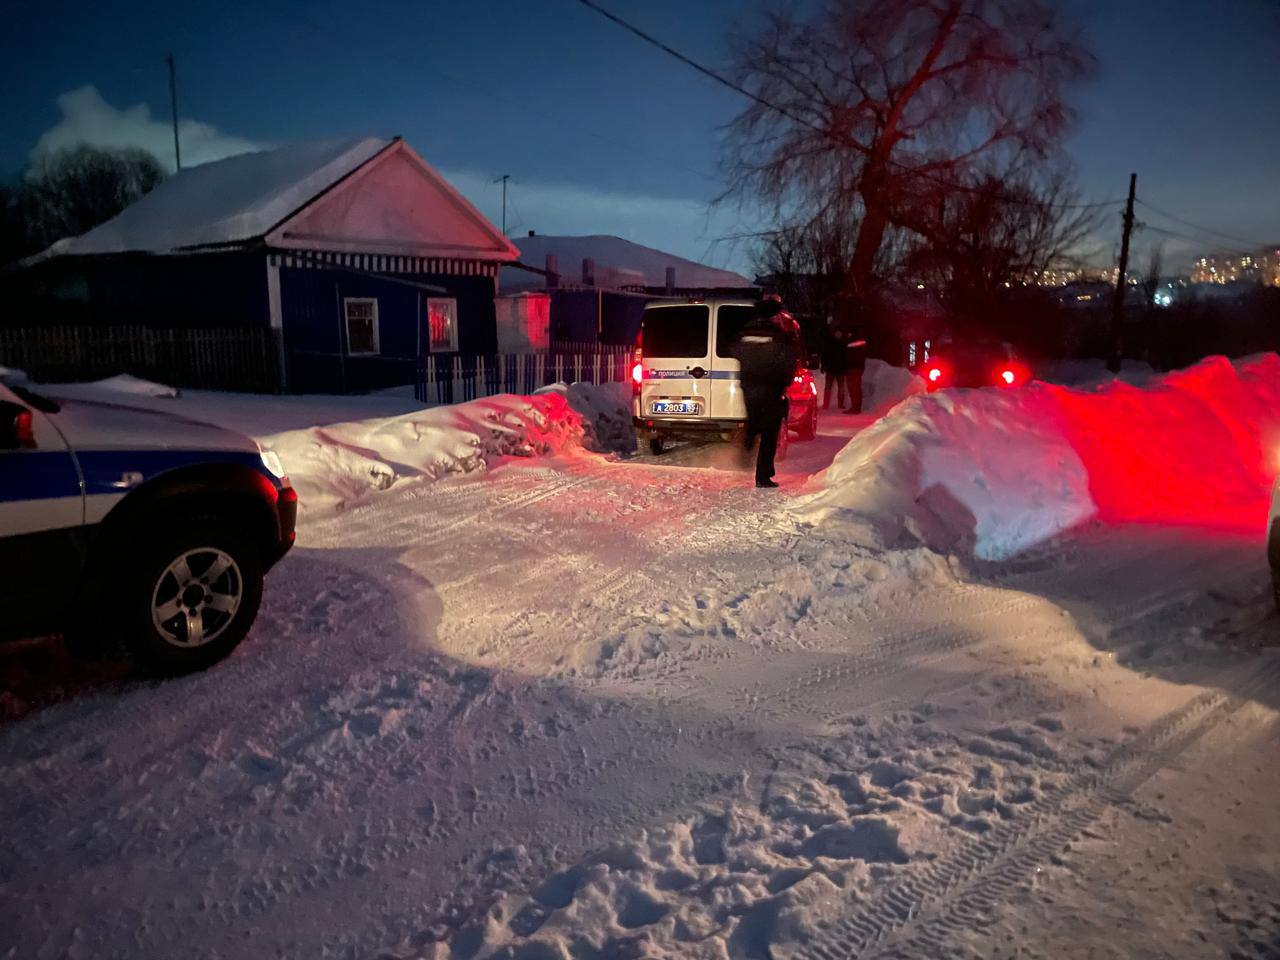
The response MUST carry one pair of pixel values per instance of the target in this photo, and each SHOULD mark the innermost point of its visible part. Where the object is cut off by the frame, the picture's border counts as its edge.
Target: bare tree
(72, 190)
(1003, 230)
(807, 263)
(870, 105)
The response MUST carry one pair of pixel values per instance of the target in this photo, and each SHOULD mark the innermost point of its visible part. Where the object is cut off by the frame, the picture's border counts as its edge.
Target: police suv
(121, 524)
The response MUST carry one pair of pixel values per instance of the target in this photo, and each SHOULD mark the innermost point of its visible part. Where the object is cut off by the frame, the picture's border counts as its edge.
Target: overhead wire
(724, 81)
(294, 17)
(1257, 245)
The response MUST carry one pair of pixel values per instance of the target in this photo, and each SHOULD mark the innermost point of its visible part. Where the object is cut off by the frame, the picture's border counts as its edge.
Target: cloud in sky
(683, 226)
(88, 118)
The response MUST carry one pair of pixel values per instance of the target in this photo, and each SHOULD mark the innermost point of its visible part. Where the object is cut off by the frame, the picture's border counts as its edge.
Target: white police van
(686, 384)
(121, 524)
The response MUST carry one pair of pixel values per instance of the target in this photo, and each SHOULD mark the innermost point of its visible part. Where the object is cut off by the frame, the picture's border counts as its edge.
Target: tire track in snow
(602, 750)
(917, 915)
(887, 656)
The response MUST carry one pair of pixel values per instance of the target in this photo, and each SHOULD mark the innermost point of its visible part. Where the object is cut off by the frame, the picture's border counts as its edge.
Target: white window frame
(453, 346)
(346, 326)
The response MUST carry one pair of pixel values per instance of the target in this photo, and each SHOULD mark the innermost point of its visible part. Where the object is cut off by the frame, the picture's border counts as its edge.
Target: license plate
(686, 407)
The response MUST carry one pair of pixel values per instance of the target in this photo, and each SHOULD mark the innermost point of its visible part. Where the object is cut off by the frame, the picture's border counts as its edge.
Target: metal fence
(452, 378)
(245, 359)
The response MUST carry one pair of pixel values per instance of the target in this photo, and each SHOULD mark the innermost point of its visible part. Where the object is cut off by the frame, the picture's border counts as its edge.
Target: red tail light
(1012, 374)
(24, 430)
(934, 374)
(637, 373)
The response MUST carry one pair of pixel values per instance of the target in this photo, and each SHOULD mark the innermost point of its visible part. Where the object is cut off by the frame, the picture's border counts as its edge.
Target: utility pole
(503, 180)
(173, 101)
(1122, 282)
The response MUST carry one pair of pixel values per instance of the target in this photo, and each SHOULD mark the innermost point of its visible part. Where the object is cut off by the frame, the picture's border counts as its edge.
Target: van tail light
(24, 430)
(934, 374)
(637, 377)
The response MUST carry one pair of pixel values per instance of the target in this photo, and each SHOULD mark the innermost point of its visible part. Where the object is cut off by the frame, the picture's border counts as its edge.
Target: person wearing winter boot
(766, 352)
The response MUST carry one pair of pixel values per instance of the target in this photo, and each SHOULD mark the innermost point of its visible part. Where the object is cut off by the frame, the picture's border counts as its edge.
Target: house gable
(394, 204)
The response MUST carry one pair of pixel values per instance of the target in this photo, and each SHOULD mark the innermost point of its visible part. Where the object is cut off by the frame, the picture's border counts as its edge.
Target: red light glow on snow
(1196, 447)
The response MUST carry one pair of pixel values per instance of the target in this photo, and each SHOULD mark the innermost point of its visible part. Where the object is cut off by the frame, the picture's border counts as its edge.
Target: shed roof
(630, 264)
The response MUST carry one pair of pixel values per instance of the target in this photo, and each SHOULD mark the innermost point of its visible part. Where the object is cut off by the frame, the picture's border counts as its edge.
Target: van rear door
(675, 347)
(727, 402)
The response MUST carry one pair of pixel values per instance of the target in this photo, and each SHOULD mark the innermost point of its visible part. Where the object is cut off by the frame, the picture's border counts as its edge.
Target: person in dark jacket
(834, 365)
(767, 354)
(855, 345)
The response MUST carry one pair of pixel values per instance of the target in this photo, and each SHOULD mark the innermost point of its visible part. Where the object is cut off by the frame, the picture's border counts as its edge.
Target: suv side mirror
(17, 432)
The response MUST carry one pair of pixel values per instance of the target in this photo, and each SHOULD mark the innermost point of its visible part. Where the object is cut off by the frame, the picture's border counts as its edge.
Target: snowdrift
(884, 385)
(337, 465)
(989, 473)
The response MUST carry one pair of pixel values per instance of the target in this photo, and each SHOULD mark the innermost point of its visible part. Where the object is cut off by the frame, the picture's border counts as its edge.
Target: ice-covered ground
(575, 706)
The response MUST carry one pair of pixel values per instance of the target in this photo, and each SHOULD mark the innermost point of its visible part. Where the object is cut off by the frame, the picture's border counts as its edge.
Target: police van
(122, 524)
(686, 383)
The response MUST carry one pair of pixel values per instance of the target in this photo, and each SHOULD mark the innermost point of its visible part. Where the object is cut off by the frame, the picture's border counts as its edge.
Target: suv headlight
(271, 460)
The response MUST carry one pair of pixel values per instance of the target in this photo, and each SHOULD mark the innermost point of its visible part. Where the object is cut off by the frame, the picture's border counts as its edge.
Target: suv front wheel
(195, 596)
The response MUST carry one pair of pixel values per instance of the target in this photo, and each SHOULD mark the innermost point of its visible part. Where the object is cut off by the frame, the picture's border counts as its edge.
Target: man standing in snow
(767, 354)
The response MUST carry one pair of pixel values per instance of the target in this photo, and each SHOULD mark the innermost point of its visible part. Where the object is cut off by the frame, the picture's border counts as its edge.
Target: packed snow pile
(991, 473)
(607, 426)
(341, 464)
(129, 385)
(884, 385)
(1085, 373)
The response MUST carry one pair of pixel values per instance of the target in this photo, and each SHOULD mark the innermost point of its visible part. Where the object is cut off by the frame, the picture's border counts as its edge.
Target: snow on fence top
(227, 201)
(992, 473)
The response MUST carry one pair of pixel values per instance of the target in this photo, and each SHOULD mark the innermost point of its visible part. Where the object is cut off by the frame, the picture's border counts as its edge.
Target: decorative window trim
(346, 326)
(453, 329)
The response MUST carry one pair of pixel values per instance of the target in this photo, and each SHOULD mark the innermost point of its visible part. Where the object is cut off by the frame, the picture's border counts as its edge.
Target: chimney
(532, 234)
(588, 272)
(671, 281)
(553, 271)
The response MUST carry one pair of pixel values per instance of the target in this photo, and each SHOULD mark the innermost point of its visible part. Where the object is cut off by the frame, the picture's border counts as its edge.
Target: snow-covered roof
(317, 195)
(618, 262)
(227, 201)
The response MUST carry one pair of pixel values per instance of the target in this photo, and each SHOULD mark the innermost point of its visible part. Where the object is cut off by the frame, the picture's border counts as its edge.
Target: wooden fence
(245, 359)
(452, 378)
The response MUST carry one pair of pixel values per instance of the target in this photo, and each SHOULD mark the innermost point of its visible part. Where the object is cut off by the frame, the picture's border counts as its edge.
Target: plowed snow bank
(337, 465)
(992, 473)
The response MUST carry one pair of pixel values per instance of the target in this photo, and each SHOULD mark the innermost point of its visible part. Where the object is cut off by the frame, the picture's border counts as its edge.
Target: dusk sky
(601, 133)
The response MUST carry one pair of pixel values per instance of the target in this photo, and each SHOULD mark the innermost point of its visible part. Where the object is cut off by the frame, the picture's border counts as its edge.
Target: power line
(1199, 240)
(817, 128)
(1195, 226)
(293, 18)
(690, 62)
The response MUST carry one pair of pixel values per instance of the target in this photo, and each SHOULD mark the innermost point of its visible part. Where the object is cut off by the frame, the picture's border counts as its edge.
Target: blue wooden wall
(314, 331)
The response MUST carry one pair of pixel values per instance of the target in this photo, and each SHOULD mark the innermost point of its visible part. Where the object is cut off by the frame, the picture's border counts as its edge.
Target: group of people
(769, 351)
(844, 357)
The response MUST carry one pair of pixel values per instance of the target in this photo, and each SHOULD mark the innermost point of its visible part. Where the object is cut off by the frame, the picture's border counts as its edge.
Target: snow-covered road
(584, 708)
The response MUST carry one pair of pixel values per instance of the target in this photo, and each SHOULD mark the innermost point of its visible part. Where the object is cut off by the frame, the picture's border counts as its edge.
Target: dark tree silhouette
(72, 190)
(1003, 230)
(868, 105)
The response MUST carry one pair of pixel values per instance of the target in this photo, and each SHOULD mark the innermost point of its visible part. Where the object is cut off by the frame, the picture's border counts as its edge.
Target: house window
(442, 325)
(362, 325)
